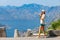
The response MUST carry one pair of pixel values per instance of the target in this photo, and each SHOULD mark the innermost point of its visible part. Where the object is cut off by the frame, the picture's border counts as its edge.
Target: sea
(21, 25)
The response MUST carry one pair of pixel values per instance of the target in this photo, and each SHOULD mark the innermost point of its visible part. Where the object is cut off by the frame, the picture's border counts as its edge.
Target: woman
(42, 17)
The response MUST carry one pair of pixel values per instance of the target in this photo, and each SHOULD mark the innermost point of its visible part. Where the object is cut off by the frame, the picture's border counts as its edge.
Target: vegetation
(55, 25)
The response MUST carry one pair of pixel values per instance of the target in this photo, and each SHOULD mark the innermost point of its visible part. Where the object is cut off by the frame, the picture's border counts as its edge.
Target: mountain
(26, 16)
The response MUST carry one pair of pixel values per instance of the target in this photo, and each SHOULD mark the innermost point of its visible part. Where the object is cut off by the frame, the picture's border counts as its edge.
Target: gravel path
(30, 38)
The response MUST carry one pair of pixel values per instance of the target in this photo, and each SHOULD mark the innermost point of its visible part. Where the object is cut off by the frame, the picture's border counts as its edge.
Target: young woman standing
(42, 17)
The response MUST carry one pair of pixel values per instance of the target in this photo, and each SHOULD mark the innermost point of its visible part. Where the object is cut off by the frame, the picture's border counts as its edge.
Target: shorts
(43, 27)
(42, 24)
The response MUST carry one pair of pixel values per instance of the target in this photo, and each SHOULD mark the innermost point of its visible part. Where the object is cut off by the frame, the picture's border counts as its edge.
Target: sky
(22, 2)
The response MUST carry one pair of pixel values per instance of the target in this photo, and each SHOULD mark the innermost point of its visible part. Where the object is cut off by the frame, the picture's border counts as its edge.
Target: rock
(16, 33)
(54, 33)
(28, 33)
(2, 32)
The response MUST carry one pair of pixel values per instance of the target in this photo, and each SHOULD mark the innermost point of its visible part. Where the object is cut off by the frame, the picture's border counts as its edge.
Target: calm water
(21, 25)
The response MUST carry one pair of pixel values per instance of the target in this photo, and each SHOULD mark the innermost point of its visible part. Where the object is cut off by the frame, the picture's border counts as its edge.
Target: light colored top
(42, 19)
(41, 22)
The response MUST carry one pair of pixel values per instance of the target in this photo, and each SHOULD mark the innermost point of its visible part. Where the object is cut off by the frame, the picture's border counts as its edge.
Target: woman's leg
(43, 29)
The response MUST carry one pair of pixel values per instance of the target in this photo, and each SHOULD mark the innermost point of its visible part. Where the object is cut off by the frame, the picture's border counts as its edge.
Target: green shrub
(55, 25)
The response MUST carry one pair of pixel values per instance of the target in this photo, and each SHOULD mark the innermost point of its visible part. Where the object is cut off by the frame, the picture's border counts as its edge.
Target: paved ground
(30, 38)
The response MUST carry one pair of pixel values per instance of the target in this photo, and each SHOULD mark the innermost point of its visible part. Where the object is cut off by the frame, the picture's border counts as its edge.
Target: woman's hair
(43, 12)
